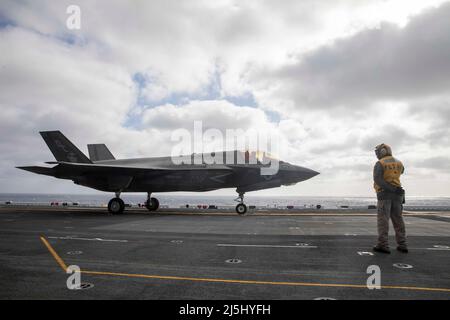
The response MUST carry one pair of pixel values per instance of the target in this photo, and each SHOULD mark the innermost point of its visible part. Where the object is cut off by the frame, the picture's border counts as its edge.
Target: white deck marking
(87, 239)
(263, 246)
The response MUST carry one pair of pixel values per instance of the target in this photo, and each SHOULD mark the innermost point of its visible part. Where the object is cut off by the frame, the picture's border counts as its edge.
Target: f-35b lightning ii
(101, 171)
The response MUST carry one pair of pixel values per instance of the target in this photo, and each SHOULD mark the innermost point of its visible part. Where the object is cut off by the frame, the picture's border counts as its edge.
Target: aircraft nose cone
(303, 173)
(294, 174)
(310, 173)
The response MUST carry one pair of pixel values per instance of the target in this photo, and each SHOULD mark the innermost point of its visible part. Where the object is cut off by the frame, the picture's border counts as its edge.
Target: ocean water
(176, 201)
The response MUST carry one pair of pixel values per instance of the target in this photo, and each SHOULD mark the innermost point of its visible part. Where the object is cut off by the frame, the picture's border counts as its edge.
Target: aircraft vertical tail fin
(99, 152)
(62, 148)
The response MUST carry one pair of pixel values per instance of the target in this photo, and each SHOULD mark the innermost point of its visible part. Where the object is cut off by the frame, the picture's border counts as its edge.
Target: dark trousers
(391, 209)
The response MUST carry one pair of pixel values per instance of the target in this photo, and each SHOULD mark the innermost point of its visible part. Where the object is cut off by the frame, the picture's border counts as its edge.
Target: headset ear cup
(383, 150)
(388, 151)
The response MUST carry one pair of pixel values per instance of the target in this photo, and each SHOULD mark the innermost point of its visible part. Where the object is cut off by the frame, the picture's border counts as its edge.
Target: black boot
(402, 249)
(381, 249)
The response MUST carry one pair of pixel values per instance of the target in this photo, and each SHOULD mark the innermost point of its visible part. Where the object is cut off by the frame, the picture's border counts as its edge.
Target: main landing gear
(116, 205)
(152, 204)
(241, 208)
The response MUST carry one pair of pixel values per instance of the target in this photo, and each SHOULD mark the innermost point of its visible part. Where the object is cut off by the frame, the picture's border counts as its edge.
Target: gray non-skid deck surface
(144, 256)
(278, 225)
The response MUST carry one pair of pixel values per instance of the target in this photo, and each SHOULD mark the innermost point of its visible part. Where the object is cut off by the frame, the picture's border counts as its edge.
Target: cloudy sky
(333, 78)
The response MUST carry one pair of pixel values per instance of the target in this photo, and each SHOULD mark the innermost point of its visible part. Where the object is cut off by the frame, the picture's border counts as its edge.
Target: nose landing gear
(241, 208)
(152, 204)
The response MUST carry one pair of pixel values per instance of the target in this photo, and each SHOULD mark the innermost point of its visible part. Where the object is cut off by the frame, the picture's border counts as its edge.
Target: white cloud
(218, 114)
(331, 111)
(385, 64)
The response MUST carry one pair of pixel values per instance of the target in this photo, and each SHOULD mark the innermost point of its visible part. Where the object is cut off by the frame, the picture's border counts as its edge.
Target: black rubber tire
(241, 209)
(116, 206)
(153, 206)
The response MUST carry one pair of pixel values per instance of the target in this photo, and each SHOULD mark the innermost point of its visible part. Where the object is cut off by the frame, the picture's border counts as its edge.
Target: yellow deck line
(276, 283)
(60, 261)
(54, 254)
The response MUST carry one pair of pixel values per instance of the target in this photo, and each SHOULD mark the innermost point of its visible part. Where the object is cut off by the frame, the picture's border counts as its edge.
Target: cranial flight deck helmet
(383, 150)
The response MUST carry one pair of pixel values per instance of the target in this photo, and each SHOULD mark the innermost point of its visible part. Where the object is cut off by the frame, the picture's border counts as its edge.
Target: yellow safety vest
(393, 169)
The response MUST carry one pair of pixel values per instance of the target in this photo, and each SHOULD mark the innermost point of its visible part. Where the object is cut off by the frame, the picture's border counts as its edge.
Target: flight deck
(217, 254)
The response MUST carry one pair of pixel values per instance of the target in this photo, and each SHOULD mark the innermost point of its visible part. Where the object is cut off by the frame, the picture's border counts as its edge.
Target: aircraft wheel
(241, 208)
(153, 205)
(116, 206)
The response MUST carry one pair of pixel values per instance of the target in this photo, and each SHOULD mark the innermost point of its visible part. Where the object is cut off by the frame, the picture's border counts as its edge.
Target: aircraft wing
(103, 166)
(39, 170)
(85, 168)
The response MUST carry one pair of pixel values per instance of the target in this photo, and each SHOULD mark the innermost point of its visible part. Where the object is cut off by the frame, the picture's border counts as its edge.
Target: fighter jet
(101, 171)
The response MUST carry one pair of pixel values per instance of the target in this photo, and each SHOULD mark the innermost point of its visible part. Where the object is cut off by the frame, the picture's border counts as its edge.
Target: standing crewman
(391, 196)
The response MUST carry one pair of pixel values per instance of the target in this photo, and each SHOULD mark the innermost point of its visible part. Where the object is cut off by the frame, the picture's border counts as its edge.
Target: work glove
(399, 190)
